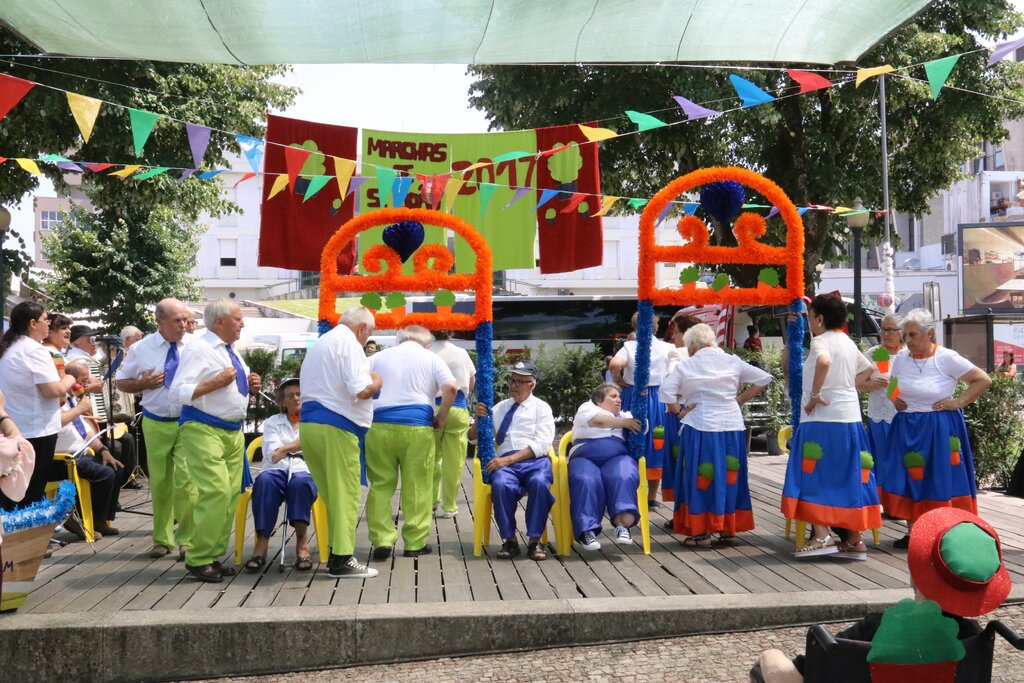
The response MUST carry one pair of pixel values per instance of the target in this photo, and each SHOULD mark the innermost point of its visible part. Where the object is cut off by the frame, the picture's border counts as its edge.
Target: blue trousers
(271, 488)
(601, 476)
(530, 478)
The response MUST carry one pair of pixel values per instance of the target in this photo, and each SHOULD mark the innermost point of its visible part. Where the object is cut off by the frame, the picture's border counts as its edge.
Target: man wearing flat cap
(524, 431)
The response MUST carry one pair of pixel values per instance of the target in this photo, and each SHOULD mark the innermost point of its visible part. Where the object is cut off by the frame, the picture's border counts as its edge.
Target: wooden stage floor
(116, 574)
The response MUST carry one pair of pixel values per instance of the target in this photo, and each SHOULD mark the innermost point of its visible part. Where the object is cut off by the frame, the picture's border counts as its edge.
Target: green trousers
(332, 456)
(214, 459)
(392, 450)
(450, 446)
(173, 491)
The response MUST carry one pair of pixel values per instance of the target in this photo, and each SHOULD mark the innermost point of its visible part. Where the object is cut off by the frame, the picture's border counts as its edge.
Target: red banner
(293, 232)
(569, 240)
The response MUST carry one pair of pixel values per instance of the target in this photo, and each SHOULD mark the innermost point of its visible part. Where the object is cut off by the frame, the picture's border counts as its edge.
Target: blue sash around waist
(314, 412)
(193, 414)
(602, 447)
(419, 415)
(157, 418)
(460, 401)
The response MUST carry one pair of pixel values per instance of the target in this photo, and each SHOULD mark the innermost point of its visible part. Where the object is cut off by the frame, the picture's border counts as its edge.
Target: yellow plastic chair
(83, 488)
(565, 539)
(785, 434)
(483, 507)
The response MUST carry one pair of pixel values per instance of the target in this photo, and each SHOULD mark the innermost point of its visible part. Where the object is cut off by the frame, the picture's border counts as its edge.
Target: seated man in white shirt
(525, 429)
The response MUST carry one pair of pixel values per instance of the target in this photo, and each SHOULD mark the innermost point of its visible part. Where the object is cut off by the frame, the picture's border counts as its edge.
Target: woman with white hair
(929, 462)
(881, 410)
(712, 494)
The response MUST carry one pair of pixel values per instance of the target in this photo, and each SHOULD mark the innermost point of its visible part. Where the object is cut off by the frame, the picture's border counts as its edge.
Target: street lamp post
(857, 220)
(5, 224)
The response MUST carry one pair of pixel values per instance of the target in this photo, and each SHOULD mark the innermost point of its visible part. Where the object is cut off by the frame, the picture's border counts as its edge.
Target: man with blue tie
(525, 431)
(212, 385)
(149, 368)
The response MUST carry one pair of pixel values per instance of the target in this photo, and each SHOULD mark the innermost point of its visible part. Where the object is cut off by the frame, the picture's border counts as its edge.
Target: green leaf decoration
(707, 470)
(954, 444)
(732, 463)
(395, 300)
(811, 450)
(913, 459)
(866, 461)
(659, 432)
(675, 451)
(881, 354)
(721, 282)
(371, 300)
(444, 298)
(769, 276)
(689, 275)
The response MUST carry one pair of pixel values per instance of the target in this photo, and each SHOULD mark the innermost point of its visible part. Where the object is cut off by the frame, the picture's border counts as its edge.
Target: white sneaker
(622, 536)
(588, 541)
(447, 515)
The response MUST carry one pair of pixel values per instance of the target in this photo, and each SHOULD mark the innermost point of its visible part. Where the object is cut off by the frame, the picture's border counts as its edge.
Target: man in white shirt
(212, 386)
(150, 368)
(82, 349)
(525, 429)
(401, 440)
(337, 388)
(451, 443)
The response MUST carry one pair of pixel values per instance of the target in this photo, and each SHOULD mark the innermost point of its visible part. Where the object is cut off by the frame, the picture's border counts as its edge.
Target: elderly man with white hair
(401, 440)
(212, 385)
(130, 335)
(337, 388)
(150, 368)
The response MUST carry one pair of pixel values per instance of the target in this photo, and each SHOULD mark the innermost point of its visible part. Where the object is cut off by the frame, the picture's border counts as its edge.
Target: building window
(48, 220)
(1000, 160)
(949, 243)
(228, 252)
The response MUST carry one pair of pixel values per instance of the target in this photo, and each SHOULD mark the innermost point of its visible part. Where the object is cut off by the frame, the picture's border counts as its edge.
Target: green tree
(16, 261)
(822, 147)
(130, 214)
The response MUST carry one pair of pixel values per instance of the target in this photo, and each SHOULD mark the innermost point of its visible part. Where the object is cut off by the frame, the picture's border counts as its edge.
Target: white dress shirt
(68, 438)
(201, 360)
(533, 426)
(880, 408)
(581, 428)
(709, 380)
(659, 361)
(925, 381)
(334, 371)
(677, 354)
(840, 387)
(277, 431)
(458, 361)
(410, 375)
(150, 353)
(25, 364)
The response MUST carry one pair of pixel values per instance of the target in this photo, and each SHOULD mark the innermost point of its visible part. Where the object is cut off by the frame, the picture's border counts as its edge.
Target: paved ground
(722, 658)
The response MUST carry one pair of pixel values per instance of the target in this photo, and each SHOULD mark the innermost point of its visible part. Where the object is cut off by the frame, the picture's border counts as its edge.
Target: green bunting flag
(152, 172)
(142, 126)
(644, 121)
(316, 183)
(385, 179)
(938, 71)
(487, 191)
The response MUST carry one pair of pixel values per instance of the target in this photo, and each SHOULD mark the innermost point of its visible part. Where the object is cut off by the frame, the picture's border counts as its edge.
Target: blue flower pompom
(723, 200)
(404, 238)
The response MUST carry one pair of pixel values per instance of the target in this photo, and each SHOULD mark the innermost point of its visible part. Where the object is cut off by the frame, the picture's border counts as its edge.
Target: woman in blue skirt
(881, 410)
(929, 463)
(829, 480)
(602, 474)
(712, 482)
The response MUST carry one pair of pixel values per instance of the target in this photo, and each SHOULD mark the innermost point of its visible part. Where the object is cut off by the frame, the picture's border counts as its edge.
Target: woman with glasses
(881, 410)
(29, 380)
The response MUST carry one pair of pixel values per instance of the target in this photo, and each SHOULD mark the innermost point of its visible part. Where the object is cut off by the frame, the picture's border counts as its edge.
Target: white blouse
(659, 361)
(26, 364)
(581, 428)
(923, 381)
(840, 387)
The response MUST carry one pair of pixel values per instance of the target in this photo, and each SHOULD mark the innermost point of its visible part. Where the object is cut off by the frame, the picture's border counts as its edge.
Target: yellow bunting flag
(451, 191)
(473, 167)
(29, 166)
(842, 209)
(597, 134)
(343, 170)
(280, 182)
(864, 74)
(126, 171)
(85, 110)
(606, 203)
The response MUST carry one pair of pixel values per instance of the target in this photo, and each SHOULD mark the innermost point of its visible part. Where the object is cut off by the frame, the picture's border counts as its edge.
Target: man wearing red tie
(212, 385)
(149, 368)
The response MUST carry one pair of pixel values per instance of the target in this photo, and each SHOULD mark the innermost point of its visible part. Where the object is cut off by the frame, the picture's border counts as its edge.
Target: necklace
(921, 366)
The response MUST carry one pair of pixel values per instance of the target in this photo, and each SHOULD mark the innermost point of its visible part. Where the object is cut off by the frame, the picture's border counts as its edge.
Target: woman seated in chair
(602, 473)
(285, 478)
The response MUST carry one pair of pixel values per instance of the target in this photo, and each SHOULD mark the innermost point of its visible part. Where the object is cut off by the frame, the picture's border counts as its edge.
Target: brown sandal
(697, 541)
(303, 563)
(255, 563)
(535, 551)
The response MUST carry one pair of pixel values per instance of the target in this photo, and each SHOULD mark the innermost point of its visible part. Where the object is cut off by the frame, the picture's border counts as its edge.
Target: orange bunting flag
(248, 175)
(85, 110)
(606, 203)
(597, 134)
(865, 74)
(126, 171)
(808, 81)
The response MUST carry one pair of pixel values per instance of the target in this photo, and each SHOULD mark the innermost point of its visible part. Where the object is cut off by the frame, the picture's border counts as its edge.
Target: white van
(284, 346)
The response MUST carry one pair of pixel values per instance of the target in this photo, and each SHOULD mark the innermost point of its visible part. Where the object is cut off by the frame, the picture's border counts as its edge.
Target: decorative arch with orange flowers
(431, 266)
(748, 228)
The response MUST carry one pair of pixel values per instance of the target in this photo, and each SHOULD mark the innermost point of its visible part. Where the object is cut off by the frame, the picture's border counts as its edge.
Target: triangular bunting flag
(294, 158)
(574, 203)
(400, 190)
(595, 134)
(555, 150)
(243, 179)
(748, 92)
(152, 172)
(772, 213)
(511, 156)
(30, 166)
(52, 158)
(438, 185)
(385, 179)
(842, 209)
(644, 121)
(142, 126)
(690, 208)
(803, 209)
(126, 171)
(206, 175)
(343, 170)
(1004, 49)
(520, 193)
(280, 182)
(451, 191)
(692, 109)
(252, 150)
(663, 213)
(12, 90)
(473, 167)
(85, 110)
(354, 184)
(198, 141)
(546, 196)
(96, 168)
(864, 74)
(637, 204)
(424, 187)
(487, 191)
(69, 166)
(808, 81)
(606, 203)
(186, 174)
(316, 183)
(938, 71)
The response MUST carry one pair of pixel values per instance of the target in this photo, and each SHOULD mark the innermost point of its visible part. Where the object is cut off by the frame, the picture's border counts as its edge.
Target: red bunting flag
(574, 202)
(96, 168)
(294, 158)
(12, 90)
(243, 179)
(808, 81)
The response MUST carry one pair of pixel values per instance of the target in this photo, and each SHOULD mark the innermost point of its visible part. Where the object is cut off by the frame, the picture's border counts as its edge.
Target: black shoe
(381, 553)
(653, 505)
(509, 549)
(902, 543)
(133, 485)
(670, 525)
(205, 572)
(342, 567)
(425, 550)
(224, 571)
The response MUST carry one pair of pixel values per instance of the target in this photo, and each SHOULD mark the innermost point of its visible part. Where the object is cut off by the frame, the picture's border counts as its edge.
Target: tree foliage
(822, 147)
(130, 215)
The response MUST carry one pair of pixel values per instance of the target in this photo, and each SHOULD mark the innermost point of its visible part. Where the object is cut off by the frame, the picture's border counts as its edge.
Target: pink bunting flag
(198, 141)
(808, 81)
(12, 90)
(692, 109)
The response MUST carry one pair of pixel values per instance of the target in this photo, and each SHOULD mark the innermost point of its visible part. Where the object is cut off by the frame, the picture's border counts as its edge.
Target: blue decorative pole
(641, 375)
(485, 395)
(795, 331)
